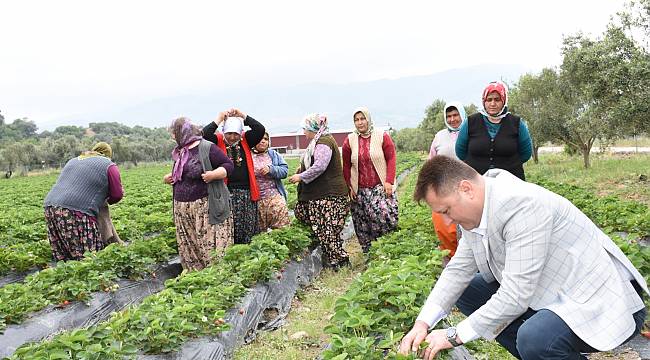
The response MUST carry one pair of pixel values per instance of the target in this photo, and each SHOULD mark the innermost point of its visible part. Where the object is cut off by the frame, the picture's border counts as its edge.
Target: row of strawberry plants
(191, 305)
(76, 280)
(146, 208)
(382, 303)
(612, 215)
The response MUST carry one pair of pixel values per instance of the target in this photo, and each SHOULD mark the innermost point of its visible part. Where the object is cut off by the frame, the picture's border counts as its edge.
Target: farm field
(624, 176)
(303, 337)
(177, 313)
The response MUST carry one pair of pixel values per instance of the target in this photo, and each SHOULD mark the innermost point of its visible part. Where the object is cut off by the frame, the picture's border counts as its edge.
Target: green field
(613, 193)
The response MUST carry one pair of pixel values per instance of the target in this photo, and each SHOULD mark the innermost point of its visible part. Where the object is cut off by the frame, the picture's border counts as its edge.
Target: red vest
(255, 190)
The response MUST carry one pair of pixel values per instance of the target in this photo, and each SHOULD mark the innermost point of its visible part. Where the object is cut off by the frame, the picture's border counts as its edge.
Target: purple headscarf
(185, 133)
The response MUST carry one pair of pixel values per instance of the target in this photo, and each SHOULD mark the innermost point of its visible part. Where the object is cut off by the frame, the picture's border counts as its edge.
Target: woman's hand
(265, 170)
(353, 195)
(294, 179)
(221, 117)
(212, 175)
(236, 113)
(167, 179)
(389, 189)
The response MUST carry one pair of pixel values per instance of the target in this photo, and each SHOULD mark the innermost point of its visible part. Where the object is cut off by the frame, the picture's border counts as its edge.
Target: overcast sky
(68, 57)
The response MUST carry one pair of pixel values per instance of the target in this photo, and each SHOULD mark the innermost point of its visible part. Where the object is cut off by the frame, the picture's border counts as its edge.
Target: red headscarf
(502, 90)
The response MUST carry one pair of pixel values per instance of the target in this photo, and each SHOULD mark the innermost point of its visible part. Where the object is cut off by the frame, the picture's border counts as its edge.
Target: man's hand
(389, 189)
(413, 338)
(294, 179)
(437, 341)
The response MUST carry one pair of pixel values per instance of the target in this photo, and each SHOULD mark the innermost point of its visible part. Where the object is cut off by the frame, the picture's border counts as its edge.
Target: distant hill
(398, 102)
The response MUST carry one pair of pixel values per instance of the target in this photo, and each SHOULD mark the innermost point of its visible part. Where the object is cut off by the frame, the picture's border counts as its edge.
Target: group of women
(246, 175)
(227, 182)
(491, 138)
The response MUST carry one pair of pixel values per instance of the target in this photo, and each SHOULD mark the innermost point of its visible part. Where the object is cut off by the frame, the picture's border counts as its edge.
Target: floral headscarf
(316, 123)
(185, 133)
(371, 125)
(502, 90)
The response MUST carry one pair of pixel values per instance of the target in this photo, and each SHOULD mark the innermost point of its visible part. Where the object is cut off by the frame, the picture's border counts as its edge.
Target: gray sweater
(82, 185)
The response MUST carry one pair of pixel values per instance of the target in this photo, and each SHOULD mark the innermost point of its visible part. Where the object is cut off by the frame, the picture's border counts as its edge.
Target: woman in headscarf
(72, 205)
(270, 169)
(322, 193)
(493, 137)
(444, 143)
(202, 215)
(237, 144)
(369, 171)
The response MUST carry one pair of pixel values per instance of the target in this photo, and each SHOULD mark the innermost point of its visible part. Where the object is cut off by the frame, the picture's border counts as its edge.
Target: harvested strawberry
(646, 334)
(241, 311)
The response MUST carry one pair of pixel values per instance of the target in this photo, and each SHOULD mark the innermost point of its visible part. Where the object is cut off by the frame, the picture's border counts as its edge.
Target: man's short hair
(442, 174)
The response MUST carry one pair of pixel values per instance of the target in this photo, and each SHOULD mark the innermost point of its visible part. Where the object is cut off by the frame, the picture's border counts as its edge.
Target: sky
(67, 57)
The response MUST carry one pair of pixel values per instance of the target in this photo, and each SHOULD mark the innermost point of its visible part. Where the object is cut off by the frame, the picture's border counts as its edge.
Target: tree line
(601, 91)
(23, 149)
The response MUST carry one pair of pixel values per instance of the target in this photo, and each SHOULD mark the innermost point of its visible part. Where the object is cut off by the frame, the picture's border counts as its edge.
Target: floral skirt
(245, 215)
(373, 214)
(199, 242)
(327, 218)
(72, 233)
(273, 212)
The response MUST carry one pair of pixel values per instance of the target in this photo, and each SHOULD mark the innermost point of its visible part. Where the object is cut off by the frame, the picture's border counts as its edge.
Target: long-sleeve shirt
(525, 145)
(444, 143)
(192, 187)
(368, 177)
(115, 190)
(239, 176)
(322, 157)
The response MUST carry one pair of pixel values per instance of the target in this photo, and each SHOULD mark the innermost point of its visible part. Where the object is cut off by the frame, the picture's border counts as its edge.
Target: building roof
(336, 131)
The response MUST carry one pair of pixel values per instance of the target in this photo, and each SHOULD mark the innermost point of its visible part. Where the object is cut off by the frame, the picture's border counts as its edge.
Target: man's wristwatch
(451, 336)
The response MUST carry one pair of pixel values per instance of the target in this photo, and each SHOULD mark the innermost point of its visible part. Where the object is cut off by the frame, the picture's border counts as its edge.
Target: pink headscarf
(501, 89)
(185, 133)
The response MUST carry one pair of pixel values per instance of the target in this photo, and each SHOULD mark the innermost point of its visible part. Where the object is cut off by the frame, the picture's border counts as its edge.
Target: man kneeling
(531, 270)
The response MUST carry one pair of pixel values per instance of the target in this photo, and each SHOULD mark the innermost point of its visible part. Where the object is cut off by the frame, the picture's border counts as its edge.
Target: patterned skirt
(273, 212)
(199, 242)
(327, 218)
(245, 215)
(373, 214)
(72, 233)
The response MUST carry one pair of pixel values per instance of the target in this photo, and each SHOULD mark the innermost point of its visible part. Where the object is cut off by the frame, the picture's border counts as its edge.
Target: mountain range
(396, 102)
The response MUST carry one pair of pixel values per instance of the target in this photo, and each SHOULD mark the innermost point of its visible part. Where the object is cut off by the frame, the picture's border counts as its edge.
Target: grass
(641, 141)
(619, 175)
(310, 312)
